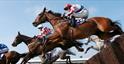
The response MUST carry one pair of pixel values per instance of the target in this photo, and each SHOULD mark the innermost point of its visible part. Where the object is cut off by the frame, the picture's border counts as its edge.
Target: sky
(18, 15)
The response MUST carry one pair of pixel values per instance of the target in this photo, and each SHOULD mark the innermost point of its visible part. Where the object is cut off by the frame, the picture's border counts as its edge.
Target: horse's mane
(26, 37)
(54, 13)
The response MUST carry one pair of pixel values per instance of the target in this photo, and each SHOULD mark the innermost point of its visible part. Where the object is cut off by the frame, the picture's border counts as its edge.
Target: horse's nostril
(13, 45)
(34, 24)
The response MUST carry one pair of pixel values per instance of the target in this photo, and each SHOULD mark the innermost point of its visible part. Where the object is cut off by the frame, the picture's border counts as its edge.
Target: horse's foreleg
(97, 48)
(79, 48)
(93, 47)
(89, 39)
(88, 49)
(69, 59)
(54, 59)
(77, 43)
(26, 58)
(7, 61)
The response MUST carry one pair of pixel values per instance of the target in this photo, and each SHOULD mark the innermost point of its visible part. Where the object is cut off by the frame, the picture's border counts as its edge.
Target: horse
(32, 43)
(29, 42)
(11, 57)
(103, 27)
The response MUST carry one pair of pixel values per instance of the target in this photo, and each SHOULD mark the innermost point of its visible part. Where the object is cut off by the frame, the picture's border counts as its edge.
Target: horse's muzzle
(35, 24)
(14, 45)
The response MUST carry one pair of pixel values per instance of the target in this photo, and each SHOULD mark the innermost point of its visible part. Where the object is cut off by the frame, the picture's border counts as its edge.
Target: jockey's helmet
(67, 6)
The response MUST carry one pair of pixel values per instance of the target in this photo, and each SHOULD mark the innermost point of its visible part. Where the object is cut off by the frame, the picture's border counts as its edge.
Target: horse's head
(41, 18)
(21, 38)
(17, 40)
(45, 16)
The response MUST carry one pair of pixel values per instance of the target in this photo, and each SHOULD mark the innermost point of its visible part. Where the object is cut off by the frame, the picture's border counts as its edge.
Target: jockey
(44, 33)
(76, 11)
(3, 49)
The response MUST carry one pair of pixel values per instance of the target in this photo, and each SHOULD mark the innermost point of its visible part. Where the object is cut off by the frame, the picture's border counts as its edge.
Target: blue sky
(18, 15)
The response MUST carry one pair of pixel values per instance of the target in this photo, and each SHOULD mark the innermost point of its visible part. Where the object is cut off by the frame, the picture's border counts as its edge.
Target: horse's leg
(54, 58)
(88, 49)
(89, 39)
(69, 59)
(26, 58)
(8, 61)
(78, 45)
(93, 47)
(96, 48)
(62, 55)
(79, 48)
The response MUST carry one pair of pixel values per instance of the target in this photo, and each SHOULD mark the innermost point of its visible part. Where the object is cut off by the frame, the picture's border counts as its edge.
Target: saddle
(76, 21)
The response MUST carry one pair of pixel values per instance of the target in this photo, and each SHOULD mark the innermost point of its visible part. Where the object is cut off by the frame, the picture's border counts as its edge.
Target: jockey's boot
(73, 21)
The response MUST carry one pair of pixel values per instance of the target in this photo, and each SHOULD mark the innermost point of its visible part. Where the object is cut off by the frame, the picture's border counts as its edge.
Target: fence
(74, 61)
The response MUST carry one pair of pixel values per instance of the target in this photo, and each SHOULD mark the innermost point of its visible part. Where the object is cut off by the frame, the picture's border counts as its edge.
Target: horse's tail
(117, 27)
(23, 55)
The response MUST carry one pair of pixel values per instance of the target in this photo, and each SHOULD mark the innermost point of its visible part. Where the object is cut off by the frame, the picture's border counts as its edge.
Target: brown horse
(11, 57)
(100, 26)
(34, 49)
(29, 41)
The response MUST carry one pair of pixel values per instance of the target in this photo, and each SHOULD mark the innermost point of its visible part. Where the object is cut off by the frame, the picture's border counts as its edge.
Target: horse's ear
(19, 33)
(44, 9)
